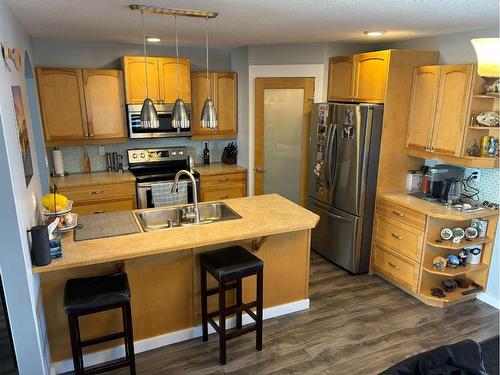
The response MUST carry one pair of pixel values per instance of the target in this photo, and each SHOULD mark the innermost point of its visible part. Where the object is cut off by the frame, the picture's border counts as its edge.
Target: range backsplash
(73, 156)
(488, 182)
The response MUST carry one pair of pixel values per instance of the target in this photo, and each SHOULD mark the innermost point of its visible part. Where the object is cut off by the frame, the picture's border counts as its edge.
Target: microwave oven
(164, 131)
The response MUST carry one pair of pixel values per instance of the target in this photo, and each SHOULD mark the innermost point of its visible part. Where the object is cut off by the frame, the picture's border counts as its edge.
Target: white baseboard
(489, 299)
(172, 338)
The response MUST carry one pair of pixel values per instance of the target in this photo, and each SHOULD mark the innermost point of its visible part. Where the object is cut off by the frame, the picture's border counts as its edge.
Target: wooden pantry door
(282, 121)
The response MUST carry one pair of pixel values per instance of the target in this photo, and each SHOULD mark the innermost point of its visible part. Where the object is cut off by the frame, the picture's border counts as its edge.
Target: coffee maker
(445, 184)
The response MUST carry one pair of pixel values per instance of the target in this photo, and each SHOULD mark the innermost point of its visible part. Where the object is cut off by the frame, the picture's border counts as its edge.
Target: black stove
(158, 165)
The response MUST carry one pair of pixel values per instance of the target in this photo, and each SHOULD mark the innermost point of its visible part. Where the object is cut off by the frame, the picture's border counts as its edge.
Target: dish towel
(163, 197)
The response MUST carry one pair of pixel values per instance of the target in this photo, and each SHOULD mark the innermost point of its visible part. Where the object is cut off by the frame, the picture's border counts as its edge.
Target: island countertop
(262, 215)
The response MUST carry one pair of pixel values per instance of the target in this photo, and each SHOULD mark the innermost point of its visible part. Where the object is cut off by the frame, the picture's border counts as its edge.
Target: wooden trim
(261, 84)
(466, 161)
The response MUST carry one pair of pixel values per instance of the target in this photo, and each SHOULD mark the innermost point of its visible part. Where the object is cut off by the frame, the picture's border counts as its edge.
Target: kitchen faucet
(175, 189)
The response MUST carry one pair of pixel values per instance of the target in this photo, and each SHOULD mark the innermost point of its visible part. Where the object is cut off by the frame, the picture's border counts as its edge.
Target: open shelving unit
(457, 246)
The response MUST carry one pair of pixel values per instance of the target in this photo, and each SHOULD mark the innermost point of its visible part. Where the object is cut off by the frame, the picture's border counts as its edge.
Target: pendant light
(208, 114)
(180, 117)
(149, 116)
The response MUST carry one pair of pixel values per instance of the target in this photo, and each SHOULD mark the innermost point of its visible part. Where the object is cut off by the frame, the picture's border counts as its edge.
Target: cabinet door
(424, 93)
(168, 79)
(340, 78)
(62, 104)
(452, 106)
(135, 79)
(199, 87)
(104, 103)
(370, 76)
(226, 102)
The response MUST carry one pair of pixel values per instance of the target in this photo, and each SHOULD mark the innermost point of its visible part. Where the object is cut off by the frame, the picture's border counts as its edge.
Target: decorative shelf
(484, 127)
(454, 296)
(451, 272)
(487, 96)
(457, 246)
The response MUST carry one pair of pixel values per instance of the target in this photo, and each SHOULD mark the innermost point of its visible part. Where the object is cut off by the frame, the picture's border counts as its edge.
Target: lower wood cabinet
(223, 186)
(97, 199)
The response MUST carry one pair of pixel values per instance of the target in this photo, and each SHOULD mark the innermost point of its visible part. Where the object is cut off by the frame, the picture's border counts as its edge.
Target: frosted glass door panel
(283, 121)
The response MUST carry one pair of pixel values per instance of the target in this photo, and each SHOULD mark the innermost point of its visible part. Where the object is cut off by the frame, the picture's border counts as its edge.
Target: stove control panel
(155, 155)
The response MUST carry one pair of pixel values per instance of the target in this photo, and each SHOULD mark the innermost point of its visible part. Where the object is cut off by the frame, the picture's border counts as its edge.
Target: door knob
(259, 170)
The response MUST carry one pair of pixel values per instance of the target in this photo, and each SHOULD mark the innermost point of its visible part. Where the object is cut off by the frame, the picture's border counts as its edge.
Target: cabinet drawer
(399, 237)
(99, 208)
(99, 192)
(402, 214)
(397, 268)
(226, 179)
(224, 193)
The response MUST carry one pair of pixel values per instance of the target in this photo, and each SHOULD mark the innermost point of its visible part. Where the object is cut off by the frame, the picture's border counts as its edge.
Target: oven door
(145, 198)
(165, 116)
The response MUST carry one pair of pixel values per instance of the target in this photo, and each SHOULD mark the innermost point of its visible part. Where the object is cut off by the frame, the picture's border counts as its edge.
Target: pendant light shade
(149, 116)
(488, 56)
(208, 113)
(180, 117)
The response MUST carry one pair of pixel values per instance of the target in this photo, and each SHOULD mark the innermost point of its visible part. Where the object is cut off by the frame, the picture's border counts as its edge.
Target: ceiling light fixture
(208, 114)
(180, 117)
(153, 39)
(149, 116)
(374, 32)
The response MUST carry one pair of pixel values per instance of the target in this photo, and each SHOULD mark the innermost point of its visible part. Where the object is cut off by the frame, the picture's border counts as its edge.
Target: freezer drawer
(338, 237)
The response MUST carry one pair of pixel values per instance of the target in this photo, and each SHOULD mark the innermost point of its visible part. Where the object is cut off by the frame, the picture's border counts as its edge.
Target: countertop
(218, 168)
(262, 215)
(93, 178)
(433, 209)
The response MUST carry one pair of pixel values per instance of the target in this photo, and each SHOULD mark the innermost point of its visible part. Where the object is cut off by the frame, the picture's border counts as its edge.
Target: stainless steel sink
(171, 217)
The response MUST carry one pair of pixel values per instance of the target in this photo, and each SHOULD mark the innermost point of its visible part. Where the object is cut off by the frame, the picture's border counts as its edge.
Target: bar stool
(90, 295)
(229, 266)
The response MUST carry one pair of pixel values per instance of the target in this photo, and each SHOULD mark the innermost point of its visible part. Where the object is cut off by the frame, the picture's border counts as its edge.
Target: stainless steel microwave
(164, 131)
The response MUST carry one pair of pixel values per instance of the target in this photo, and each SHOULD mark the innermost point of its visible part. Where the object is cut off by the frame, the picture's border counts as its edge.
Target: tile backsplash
(73, 156)
(488, 182)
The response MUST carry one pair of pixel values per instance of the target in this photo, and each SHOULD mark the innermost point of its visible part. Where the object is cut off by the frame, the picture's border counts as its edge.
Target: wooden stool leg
(260, 303)
(74, 333)
(239, 302)
(129, 336)
(222, 321)
(204, 303)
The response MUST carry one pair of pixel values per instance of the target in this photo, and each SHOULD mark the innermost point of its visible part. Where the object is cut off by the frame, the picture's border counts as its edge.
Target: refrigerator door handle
(337, 216)
(326, 165)
(332, 158)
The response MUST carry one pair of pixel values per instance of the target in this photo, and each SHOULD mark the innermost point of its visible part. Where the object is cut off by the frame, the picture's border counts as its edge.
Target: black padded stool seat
(94, 293)
(229, 266)
(231, 262)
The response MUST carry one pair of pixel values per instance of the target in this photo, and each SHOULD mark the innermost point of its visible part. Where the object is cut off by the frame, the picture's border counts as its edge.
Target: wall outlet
(102, 151)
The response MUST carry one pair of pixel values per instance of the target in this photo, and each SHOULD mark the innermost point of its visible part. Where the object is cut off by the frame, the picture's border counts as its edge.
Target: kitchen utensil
(451, 192)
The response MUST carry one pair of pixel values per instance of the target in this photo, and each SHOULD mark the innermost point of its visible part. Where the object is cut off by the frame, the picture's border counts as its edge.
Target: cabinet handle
(226, 197)
(396, 267)
(398, 213)
(97, 212)
(223, 179)
(96, 192)
(396, 237)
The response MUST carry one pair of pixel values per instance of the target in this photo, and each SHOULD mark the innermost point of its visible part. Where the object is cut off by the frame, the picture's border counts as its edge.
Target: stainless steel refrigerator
(344, 152)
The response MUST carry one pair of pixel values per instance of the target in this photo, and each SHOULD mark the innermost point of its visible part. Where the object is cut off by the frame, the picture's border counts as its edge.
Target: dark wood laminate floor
(356, 325)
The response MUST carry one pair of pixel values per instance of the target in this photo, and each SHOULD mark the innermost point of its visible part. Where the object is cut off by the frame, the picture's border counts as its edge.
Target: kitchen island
(163, 271)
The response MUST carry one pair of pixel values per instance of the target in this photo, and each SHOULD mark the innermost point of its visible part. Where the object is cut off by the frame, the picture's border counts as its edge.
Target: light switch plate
(102, 151)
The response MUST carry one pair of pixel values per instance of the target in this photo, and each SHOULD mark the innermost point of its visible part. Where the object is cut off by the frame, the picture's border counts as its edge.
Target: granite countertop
(433, 209)
(93, 178)
(262, 215)
(218, 168)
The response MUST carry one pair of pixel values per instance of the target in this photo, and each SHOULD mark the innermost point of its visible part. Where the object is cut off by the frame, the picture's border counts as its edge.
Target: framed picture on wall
(22, 130)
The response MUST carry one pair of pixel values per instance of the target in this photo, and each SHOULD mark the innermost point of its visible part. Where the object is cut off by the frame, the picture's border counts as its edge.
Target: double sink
(171, 217)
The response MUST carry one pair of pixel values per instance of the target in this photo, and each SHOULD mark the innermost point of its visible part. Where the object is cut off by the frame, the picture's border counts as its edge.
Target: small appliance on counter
(441, 184)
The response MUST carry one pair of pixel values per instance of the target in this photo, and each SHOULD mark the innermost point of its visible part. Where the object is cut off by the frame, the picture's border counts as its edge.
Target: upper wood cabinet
(162, 79)
(439, 109)
(81, 106)
(340, 78)
(62, 104)
(224, 89)
(359, 78)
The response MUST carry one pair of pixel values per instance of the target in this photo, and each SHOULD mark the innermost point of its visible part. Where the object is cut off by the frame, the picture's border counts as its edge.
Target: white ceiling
(247, 22)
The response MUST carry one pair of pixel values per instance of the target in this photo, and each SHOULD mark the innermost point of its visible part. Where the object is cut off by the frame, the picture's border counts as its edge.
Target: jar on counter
(426, 183)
